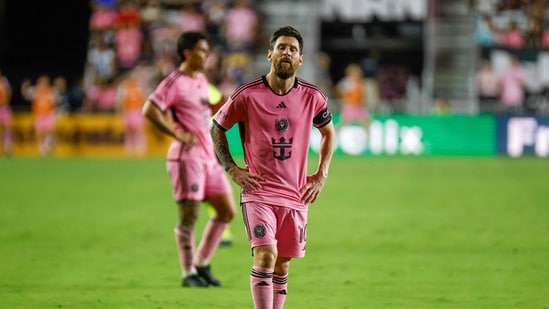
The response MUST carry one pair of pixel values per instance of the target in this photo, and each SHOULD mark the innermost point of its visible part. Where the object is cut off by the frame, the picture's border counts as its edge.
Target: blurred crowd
(137, 39)
(512, 23)
(513, 35)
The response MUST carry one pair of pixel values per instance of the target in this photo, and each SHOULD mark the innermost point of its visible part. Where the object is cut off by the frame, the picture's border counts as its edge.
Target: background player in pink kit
(275, 113)
(179, 107)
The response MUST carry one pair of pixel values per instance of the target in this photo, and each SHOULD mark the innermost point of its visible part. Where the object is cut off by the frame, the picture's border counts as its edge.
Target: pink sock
(261, 285)
(210, 240)
(184, 237)
(280, 290)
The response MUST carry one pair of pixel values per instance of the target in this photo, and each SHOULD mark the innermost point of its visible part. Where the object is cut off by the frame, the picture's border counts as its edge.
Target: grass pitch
(427, 232)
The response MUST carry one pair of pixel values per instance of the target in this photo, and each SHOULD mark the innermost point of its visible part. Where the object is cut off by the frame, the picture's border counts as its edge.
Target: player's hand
(312, 188)
(246, 180)
(186, 138)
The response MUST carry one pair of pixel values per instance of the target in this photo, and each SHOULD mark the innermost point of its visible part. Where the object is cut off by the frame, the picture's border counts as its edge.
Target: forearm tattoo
(221, 146)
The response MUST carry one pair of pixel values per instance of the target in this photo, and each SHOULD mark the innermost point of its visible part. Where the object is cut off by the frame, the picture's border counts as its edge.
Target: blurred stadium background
(421, 59)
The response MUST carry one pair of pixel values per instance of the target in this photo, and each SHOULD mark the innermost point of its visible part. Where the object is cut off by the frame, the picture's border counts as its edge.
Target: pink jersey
(186, 98)
(275, 131)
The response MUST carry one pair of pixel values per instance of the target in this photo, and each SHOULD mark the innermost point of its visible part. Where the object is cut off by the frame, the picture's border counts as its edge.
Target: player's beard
(284, 71)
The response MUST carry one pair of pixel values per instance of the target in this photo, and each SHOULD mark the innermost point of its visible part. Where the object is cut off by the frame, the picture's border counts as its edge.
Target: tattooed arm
(221, 146)
(241, 176)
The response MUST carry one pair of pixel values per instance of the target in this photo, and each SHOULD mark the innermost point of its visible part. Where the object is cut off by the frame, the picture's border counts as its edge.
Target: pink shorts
(353, 113)
(44, 123)
(274, 225)
(197, 180)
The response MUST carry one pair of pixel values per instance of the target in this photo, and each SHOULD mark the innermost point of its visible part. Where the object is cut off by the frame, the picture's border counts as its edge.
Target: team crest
(259, 231)
(282, 124)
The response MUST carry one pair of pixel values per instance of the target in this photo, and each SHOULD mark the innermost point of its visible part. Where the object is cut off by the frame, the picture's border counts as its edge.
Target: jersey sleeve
(231, 112)
(160, 96)
(323, 115)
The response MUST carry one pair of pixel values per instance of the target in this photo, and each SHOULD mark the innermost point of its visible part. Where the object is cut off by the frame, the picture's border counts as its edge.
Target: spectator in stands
(370, 65)
(392, 84)
(536, 15)
(163, 36)
(191, 18)
(103, 17)
(61, 96)
(534, 35)
(214, 14)
(128, 42)
(150, 14)
(76, 96)
(485, 33)
(488, 85)
(130, 97)
(102, 96)
(128, 14)
(101, 60)
(42, 97)
(353, 96)
(441, 106)
(513, 87)
(6, 135)
(545, 37)
(543, 106)
(324, 79)
(513, 36)
(241, 27)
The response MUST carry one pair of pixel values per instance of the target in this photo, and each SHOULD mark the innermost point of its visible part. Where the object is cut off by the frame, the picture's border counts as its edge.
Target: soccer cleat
(205, 273)
(226, 242)
(194, 281)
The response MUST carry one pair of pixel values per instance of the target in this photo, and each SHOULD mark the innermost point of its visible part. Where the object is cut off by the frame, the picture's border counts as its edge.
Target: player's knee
(264, 257)
(282, 266)
(226, 215)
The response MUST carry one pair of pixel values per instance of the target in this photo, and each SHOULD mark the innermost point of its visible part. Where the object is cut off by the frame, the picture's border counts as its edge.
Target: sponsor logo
(281, 105)
(527, 133)
(282, 148)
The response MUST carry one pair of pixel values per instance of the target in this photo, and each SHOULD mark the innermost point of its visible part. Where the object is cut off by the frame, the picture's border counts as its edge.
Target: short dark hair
(287, 31)
(188, 40)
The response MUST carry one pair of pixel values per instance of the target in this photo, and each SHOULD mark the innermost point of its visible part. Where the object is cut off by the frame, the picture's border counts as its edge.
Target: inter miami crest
(282, 124)
(259, 231)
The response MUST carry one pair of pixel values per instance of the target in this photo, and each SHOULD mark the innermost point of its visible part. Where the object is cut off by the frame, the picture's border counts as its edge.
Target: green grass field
(427, 232)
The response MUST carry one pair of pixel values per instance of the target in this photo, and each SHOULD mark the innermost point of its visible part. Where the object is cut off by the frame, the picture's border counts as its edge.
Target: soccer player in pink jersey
(179, 107)
(275, 114)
